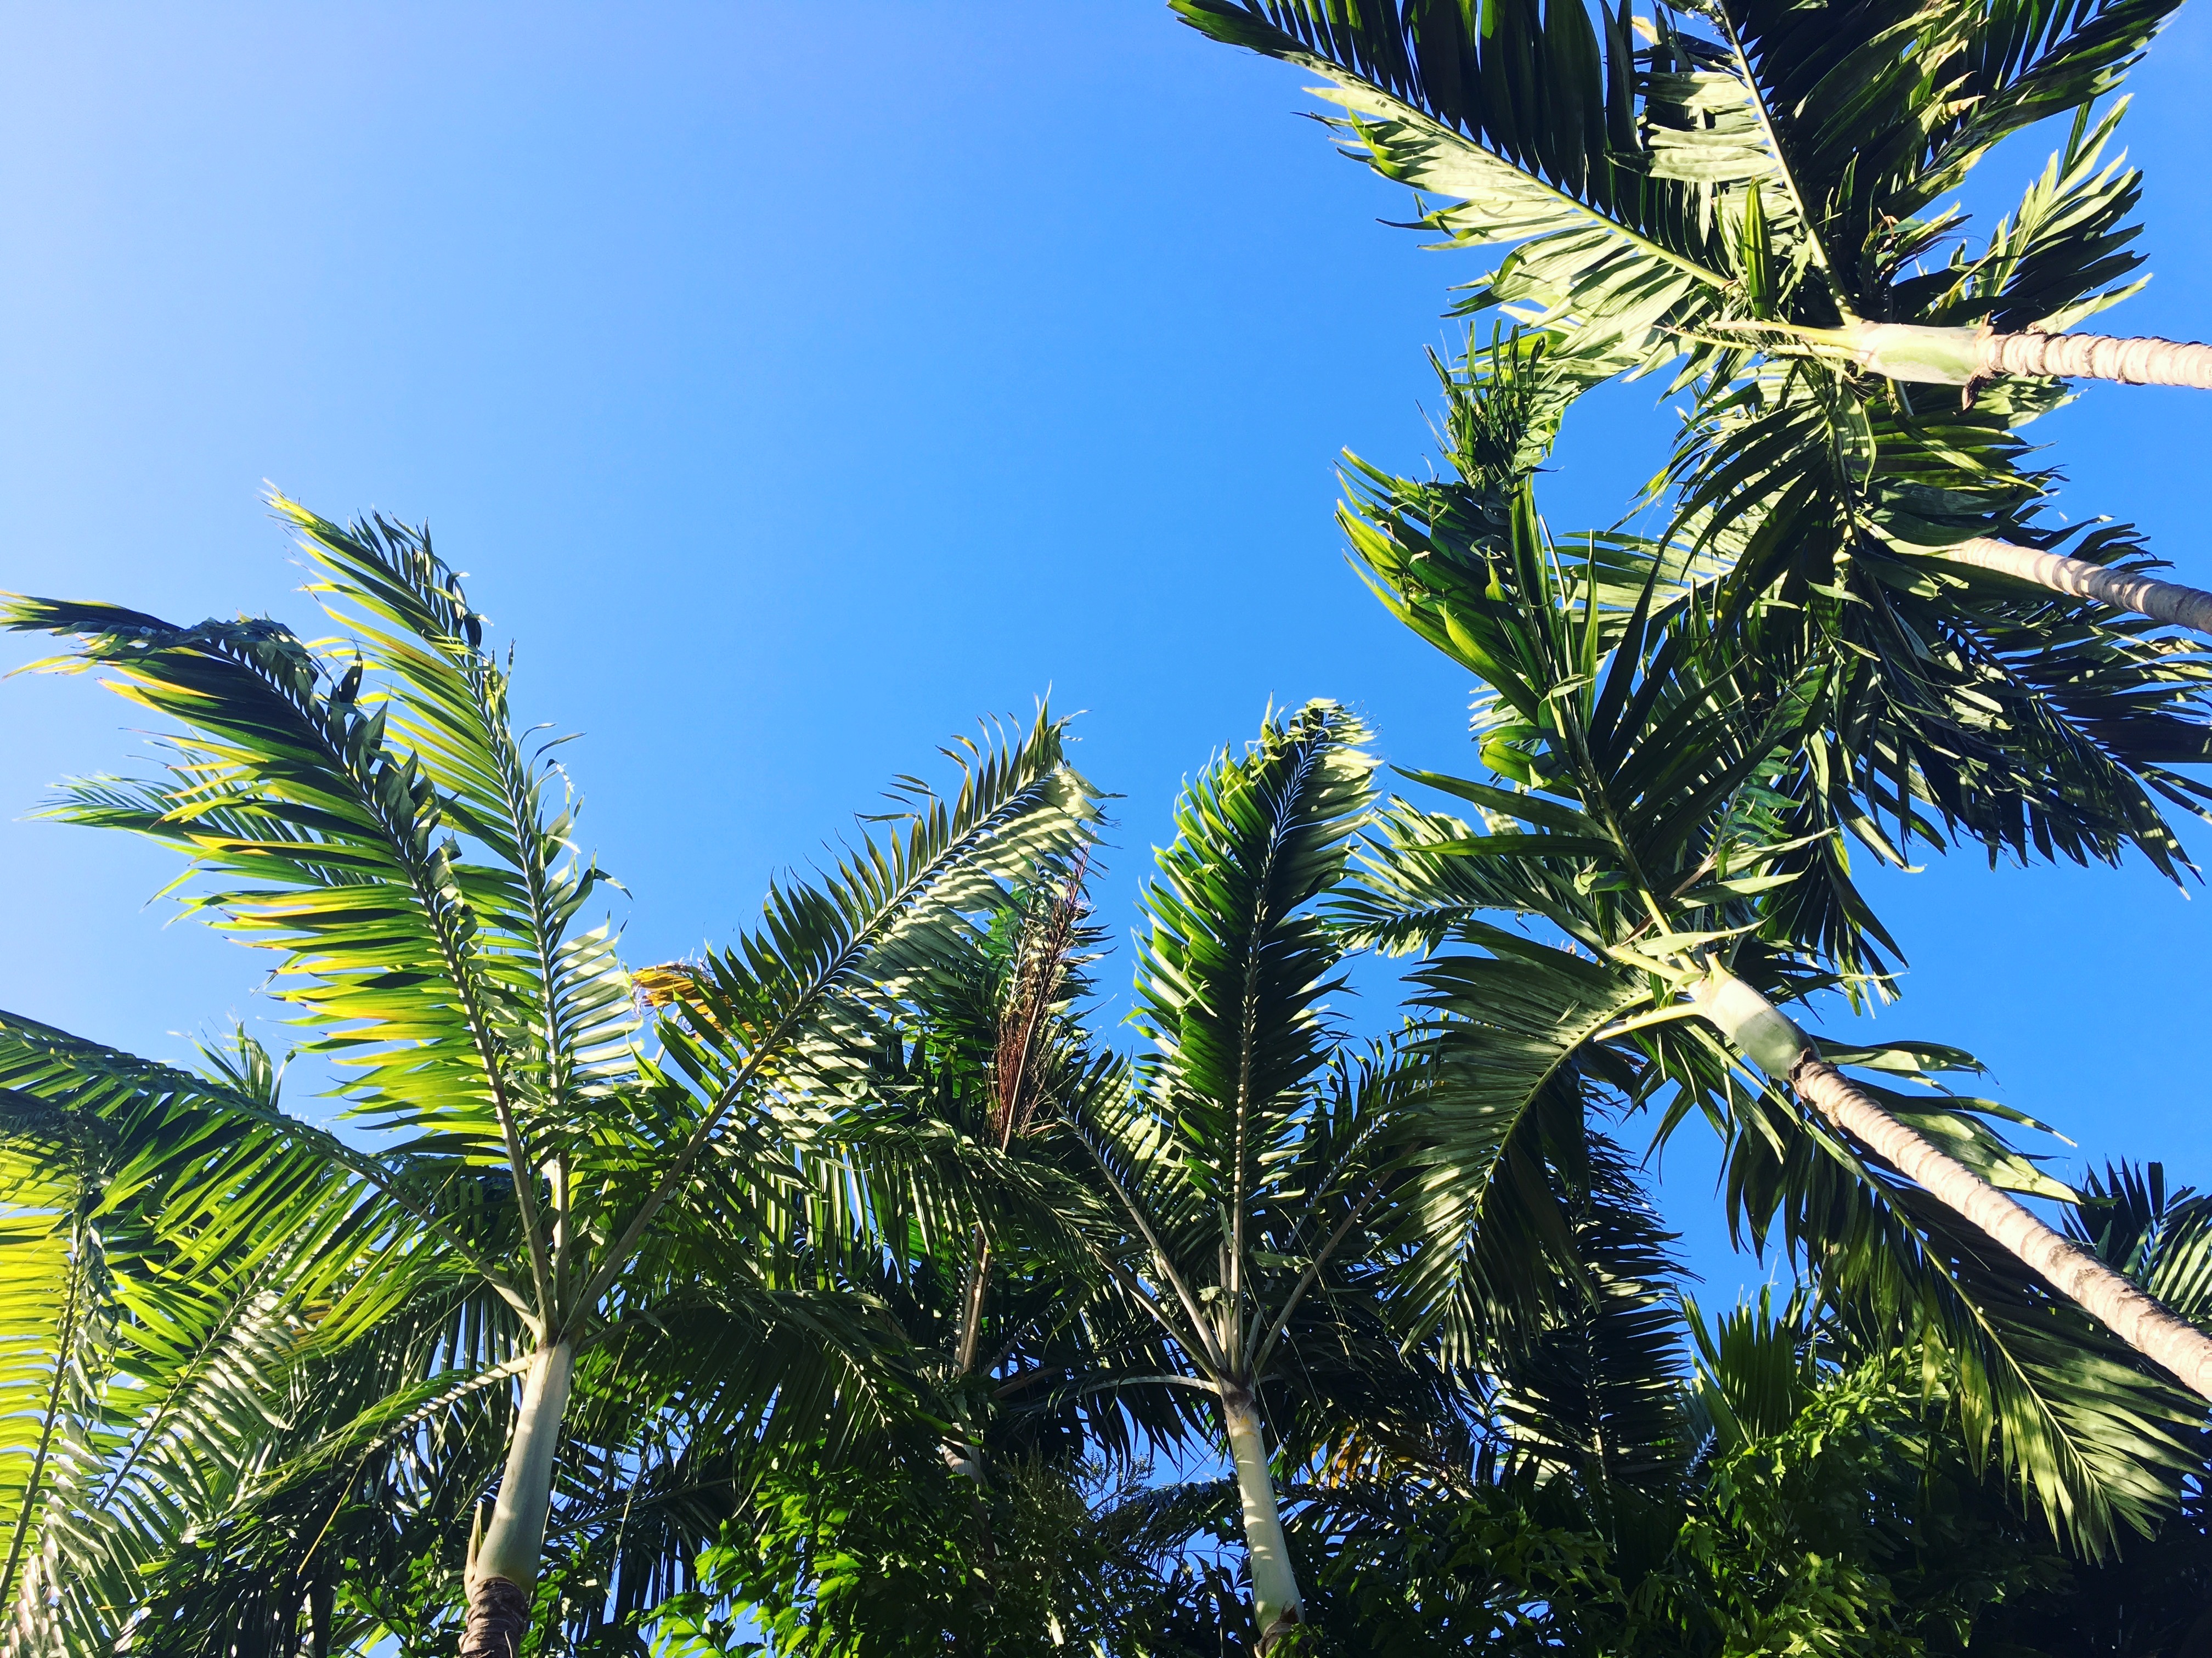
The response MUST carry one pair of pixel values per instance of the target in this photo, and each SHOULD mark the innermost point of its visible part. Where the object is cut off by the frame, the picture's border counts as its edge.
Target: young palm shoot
(1241, 1163)
(376, 821)
(1029, 1061)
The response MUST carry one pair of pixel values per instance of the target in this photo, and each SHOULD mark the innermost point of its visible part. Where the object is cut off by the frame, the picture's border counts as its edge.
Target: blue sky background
(799, 383)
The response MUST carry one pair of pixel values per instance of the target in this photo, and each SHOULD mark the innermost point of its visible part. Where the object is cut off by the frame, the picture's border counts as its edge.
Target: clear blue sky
(799, 383)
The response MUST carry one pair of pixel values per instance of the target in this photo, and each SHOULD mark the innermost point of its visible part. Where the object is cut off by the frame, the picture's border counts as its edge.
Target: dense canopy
(845, 1288)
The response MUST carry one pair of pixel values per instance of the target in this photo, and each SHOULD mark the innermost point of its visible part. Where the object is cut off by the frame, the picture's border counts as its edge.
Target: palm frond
(1234, 972)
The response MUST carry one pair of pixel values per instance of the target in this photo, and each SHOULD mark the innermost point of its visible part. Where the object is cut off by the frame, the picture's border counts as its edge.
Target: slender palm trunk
(2162, 601)
(2100, 357)
(963, 1453)
(503, 1564)
(1774, 1041)
(1966, 357)
(971, 1301)
(1277, 1607)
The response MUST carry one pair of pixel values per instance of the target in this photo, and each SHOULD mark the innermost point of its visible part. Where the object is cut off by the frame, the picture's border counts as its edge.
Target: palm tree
(149, 1335)
(1767, 185)
(1242, 1168)
(1653, 194)
(996, 1055)
(979, 1215)
(1744, 197)
(410, 858)
(1662, 816)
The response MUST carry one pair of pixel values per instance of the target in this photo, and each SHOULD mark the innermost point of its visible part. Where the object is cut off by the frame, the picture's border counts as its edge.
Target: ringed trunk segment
(1776, 1044)
(1277, 1607)
(2123, 590)
(503, 1564)
(2101, 357)
(498, 1618)
(1965, 356)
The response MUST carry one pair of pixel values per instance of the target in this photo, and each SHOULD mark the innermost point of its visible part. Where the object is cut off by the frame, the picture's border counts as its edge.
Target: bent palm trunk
(503, 1564)
(2123, 590)
(1962, 356)
(1277, 1607)
(1776, 1044)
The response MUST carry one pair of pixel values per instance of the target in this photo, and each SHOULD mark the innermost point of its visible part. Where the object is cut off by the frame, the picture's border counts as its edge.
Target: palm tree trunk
(2161, 601)
(1965, 356)
(1776, 1044)
(1277, 1607)
(503, 1566)
(971, 1302)
(2100, 357)
(964, 1454)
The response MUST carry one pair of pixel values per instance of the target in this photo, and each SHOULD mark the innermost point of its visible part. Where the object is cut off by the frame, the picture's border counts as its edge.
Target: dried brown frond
(1041, 957)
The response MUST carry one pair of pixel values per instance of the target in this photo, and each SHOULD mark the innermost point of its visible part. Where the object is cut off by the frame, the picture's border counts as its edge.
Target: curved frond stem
(888, 911)
(241, 1306)
(59, 1055)
(524, 1174)
(1215, 1359)
(1756, 95)
(1211, 1389)
(1261, 924)
(1363, 98)
(394, 1420)
(1258, 1352)
(679, 1167)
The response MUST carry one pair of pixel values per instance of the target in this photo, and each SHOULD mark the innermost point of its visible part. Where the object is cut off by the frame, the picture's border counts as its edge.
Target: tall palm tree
(1731, 177)
(1653, 191)
(1660, 815)
(1242, 1168)
(375, 820)
(1727, 195)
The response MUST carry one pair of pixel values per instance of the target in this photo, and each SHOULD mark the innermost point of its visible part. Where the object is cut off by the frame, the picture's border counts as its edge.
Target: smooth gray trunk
(1277, 1607)
(1775, 1043)
(2162, 601)
(503, 1564)
(1965, 356)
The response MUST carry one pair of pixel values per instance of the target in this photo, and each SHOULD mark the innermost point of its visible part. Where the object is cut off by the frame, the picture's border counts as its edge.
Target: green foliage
(1660, 801)
(1720, 190)
(1835, 1518)
(519, 1169)
(899, 1555)
(887, 1278)
(1241, 1161)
